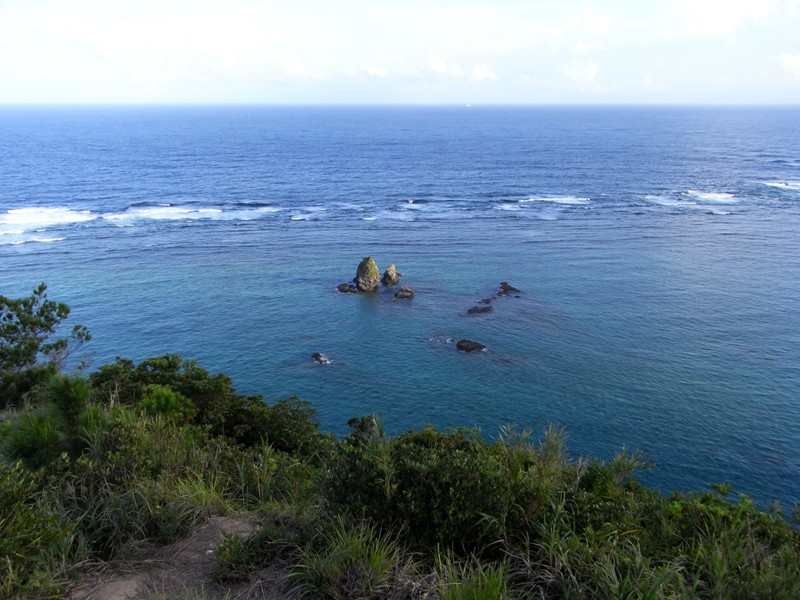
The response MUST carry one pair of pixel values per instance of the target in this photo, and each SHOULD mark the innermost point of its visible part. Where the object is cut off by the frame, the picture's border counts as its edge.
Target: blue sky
(410, 51)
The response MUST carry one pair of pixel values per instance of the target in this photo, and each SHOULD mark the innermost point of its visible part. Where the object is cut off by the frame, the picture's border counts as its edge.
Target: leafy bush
(35, 439)
(290, 425)
(27, 531)
(38, 436)
(219, 407)
(16, 388)
(29, 350)
(162, 400)
(442, 488)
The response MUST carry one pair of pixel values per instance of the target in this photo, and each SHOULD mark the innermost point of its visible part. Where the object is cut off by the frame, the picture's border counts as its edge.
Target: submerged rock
(405, 293)
(320, 358)
(390, 276)
(347, 288)
(506, 289)
(367, 275)
(475, 310)
(469, 346)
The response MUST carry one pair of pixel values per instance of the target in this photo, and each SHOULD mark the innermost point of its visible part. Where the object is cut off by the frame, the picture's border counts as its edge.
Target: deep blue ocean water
(658, 251)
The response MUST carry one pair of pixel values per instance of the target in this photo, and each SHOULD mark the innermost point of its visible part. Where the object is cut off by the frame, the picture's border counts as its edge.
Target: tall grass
(510, 518)
(349, 561)
(468, 579)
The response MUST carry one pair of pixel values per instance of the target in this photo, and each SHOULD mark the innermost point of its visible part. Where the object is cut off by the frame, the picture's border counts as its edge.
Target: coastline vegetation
(107, 465)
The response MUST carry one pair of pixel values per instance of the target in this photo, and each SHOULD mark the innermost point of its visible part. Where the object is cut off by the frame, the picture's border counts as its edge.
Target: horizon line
(403, 104)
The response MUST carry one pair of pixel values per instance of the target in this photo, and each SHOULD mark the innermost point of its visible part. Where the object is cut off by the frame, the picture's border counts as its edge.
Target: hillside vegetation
(106, 465)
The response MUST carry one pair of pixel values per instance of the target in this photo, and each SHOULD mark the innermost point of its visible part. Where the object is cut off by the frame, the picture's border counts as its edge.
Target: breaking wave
(721, 197)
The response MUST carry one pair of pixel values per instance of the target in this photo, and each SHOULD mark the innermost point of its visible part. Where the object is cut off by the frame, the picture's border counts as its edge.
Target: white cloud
(481, 74)
(790, 62)
(651, 84)
(257, 50)
(582, 48)
(721, 17)
(440, 66)
(588, 22)
(435, 72)
(581, 72)
(373, 71)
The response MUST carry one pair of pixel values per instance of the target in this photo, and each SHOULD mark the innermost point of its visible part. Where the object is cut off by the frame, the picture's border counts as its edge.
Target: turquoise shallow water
(656, 250)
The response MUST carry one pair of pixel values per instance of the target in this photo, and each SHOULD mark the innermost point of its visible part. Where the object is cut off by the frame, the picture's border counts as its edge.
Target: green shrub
(29, 350)
(262, 475)
(292, 427)
(27, 532)
(162, 400)
(349, 561)
(277, 537)
(37, 436)
(219, 407)
(453, 488)
(18, 387)
(68, 395)
(33, 438)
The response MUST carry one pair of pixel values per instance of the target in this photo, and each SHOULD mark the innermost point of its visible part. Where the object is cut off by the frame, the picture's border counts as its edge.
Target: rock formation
(320, 358)
(367, 275)
(479, 309)
(469, 346)
(506, 289)
(347, 288)
(390, 276)
(405, 293)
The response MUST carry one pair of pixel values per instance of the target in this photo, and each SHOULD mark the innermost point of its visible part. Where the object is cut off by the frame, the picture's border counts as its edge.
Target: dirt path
(183, 570)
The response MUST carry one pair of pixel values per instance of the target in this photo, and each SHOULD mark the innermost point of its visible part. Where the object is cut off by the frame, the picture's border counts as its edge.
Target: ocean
(657, 250)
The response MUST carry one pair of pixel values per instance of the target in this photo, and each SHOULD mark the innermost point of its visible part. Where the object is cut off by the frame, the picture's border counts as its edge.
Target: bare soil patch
(183, 571)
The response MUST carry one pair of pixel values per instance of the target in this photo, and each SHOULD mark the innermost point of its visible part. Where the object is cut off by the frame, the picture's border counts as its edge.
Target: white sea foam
(442, 340)
(309, 213)
(165, 213)
(427, 207)
(50, 240)
(411, 205)
(549, 215)
(248, 214)
(389, 215)
(667, 200)
(568, 200)
(784, 185)
(17, 241)
(709, 209)
(20, 220)
(721, 197)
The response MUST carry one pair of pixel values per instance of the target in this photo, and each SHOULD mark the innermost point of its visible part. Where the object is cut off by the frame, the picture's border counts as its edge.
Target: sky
(400, 52)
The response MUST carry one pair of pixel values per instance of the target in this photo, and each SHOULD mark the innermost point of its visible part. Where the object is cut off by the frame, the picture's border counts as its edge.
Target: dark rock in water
(405, 293)
(486, 301)
(390, 276)
(320, 358)
(506, 289)
(469, 346)
(367, 275)
(475, 310)
(347, 288)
